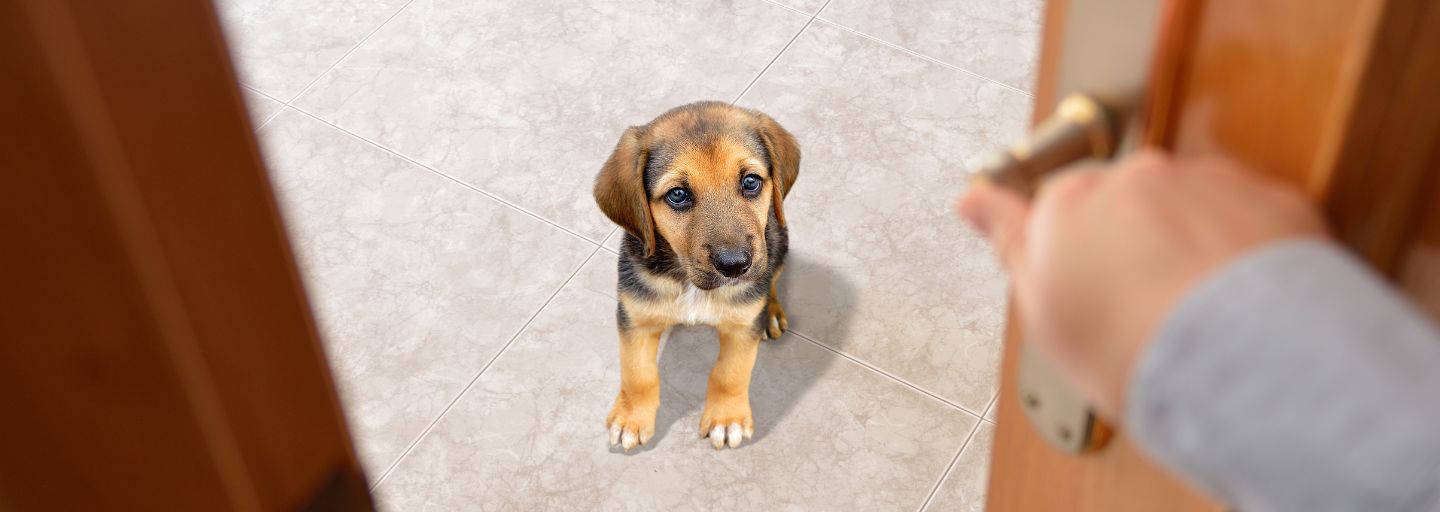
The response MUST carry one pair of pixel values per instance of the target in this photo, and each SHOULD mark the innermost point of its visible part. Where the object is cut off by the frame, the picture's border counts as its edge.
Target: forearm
(1295, 379)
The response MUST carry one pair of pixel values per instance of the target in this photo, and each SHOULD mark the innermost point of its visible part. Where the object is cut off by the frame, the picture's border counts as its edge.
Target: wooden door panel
(1419, 265)
(1333, 97)
(158, 351)
(1264, 82)
(212, 212)
(1026, 473)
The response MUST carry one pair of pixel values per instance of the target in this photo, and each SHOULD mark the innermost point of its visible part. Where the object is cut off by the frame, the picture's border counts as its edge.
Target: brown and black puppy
(698, 192)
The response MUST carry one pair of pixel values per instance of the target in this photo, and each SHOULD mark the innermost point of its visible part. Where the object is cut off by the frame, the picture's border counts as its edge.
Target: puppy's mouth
(709, 279)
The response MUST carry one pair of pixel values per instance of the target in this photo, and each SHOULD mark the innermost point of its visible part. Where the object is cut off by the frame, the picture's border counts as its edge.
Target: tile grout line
(985, 416)
(889, 375)
(342, 58)
(442, 174)
(607, 238)
(268, 97)
(428, 428)
(782, 51)
(946, 474)
(927, 58)
(792, 9)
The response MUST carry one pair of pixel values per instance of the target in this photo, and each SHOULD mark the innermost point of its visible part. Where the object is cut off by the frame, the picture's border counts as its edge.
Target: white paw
(720, 436)
(629, 437)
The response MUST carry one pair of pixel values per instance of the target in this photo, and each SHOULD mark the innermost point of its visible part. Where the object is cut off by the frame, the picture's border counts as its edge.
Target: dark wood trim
(1178, 19)
(1383, 154)
(1047, 72)
(159, 352)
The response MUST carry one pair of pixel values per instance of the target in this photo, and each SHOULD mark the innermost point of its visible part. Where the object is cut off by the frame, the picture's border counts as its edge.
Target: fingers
(1006, 219)
(1063, 194)
(1000, 215)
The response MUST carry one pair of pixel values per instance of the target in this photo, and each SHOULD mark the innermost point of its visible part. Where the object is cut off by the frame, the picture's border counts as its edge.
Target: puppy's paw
(631, 422)
(775, 324)
(726, 422)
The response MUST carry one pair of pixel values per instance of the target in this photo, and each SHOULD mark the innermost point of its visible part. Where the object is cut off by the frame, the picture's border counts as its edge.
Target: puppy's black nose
(731, 262)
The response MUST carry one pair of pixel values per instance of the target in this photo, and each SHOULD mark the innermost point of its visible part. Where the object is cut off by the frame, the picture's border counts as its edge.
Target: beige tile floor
(434, 160)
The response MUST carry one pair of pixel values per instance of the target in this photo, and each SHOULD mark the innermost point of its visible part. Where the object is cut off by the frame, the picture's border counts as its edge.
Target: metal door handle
(1080, 128)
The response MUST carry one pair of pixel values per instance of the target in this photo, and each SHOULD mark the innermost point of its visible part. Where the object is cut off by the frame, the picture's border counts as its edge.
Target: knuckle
(1066, 189)
(1143, 166)
(1147, 159)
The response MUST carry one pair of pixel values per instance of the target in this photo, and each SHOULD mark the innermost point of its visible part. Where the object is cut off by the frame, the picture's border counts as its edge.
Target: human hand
(1105, 252)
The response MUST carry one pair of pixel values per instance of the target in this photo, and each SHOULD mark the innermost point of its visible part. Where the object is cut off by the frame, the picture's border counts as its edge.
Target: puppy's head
(702, 179)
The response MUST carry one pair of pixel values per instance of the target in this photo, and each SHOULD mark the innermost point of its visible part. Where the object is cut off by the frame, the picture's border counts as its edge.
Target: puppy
(699, 192)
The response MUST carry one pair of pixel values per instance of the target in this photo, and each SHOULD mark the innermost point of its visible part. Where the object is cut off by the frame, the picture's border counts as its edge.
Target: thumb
(1002, 216)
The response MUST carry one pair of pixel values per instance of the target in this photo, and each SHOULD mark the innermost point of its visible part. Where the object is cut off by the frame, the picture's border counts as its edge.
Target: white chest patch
(696, 306)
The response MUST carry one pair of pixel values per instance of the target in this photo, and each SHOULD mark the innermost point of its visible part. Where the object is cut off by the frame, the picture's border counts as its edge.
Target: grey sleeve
(1294, 379)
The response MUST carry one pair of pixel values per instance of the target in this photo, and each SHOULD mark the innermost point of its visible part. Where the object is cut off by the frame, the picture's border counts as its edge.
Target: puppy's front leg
(726, 418)
(632, 419)
(775, 322)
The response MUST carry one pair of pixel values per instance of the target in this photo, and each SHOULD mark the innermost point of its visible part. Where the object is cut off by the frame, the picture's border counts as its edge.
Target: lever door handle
(1080, 128)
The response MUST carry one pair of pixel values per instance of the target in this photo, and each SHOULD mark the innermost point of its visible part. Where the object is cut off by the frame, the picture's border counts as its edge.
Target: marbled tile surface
(529, 435)
(805, 6)
(281, 46)
(612, 243)
(416, 282)
(964, 487)
(882, 268)
(436, 183)
(526, 99)
(997, 39)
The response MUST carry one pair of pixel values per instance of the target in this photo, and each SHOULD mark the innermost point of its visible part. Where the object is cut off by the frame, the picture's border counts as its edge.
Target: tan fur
(727, 397)
(786, 152)
(639, 399)
(723, 215)
(778, 323)
(710, 147)
(620, 191)
(667, 309)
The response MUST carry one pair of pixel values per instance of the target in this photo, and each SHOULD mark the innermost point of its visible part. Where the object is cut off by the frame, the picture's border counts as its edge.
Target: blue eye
(750, 183)
(678, 197)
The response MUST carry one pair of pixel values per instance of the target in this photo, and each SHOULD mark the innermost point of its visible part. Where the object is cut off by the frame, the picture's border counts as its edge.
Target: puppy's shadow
(819, 303)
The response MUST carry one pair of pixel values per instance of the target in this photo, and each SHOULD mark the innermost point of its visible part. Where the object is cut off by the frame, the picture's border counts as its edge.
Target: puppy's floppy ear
(784, 160)
(620, 187)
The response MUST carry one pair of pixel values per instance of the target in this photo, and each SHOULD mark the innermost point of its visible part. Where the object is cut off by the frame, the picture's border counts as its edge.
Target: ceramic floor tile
(529, 434)
(417, 281)
(260, 106)
(999, 40)
(599, 275)
(280, 46)
(964, 488)
(614, 240)
(806, 6)
(525, 100)
(880, 267)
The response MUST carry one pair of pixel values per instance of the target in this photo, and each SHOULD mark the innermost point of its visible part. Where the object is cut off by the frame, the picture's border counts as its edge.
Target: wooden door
(156, 348)
(1334, 97)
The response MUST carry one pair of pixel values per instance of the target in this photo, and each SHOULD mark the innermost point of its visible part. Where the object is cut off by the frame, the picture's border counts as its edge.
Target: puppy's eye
(678, 197)
(750, 183)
